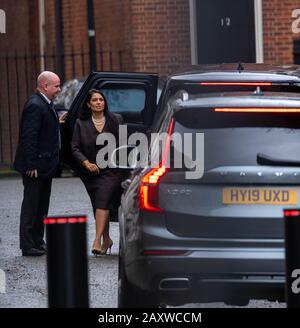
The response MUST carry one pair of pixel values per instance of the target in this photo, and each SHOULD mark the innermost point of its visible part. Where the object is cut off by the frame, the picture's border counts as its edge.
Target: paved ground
(26, 282)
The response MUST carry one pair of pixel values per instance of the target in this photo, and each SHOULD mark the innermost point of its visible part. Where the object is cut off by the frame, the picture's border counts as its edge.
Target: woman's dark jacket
(84, 139)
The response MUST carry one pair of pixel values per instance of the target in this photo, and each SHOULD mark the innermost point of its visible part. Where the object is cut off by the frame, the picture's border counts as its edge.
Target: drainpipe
(42, 32)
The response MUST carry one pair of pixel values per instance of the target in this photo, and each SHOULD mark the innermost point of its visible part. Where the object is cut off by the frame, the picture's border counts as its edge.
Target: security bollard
(67, 261)
(292, 257)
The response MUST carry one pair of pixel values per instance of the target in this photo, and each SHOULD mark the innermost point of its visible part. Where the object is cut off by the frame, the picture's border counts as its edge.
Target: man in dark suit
(37, 159)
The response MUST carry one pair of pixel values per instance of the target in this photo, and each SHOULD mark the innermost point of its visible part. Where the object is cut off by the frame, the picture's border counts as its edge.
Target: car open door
(133, 95)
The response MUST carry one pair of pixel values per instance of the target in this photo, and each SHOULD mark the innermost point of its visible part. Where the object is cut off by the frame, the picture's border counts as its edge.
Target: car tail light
(256, 110)
(257, 84)
(150, 181)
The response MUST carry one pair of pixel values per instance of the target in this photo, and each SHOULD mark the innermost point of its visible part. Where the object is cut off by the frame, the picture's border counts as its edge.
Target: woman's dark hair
(86, 112)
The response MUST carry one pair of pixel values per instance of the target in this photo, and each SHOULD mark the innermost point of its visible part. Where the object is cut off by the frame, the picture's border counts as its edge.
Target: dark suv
(216, 237)
(206, 222)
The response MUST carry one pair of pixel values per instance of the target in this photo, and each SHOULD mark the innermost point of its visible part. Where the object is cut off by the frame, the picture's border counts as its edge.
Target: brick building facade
(130, 35)
(154, 34)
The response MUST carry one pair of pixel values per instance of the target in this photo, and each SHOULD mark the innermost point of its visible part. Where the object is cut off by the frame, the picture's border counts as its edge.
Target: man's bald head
(46, 77)
(48, 83)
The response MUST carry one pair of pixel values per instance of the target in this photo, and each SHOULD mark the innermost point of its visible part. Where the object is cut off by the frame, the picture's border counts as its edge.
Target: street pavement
(26, 278)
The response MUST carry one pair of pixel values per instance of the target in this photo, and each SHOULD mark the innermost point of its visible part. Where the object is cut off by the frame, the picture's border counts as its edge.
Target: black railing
(18, 73)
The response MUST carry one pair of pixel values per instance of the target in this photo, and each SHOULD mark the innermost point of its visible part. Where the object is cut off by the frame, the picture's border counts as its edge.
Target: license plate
(264, 196)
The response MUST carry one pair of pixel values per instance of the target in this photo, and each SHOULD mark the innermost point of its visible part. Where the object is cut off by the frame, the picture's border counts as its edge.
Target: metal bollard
(67, 261)
(292, 257)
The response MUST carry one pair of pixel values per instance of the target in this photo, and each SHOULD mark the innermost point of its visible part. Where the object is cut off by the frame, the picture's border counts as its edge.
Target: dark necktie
(52, 105)
(59, 136)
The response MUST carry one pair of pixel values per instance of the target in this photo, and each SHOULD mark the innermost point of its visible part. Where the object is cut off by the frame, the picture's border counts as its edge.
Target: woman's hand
(32, 173)
(93, 168)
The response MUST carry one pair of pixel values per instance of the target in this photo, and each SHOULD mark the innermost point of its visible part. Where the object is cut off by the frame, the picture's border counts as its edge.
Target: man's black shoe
(32, 252)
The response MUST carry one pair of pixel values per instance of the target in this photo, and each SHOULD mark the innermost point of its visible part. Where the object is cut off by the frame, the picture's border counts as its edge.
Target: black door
(225, 31)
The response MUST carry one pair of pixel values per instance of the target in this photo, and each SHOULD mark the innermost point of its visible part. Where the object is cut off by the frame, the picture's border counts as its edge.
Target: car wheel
(131, 297)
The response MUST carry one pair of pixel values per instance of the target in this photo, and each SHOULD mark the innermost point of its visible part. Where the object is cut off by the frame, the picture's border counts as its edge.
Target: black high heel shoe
(95, 250)
(104, 249)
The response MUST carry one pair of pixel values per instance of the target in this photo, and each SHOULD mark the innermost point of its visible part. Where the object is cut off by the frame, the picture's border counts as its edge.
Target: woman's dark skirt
(104, 189)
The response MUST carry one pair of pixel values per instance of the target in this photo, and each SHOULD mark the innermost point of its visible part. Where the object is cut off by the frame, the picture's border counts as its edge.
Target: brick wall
(113, 32)
(74, 35)
(153, 35)
(74, 15)
(160, 35)
(22, 36)
(49, 24)
(21, 24)
(277, 30)
(111, 23)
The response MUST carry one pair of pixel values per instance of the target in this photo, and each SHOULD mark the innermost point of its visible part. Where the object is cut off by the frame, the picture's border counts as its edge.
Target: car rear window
(232, 139)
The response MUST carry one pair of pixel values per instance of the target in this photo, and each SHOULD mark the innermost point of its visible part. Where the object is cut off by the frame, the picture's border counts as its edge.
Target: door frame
(259, 44)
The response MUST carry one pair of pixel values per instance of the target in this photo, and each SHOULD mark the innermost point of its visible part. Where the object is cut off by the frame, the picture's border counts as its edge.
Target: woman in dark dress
(101, 184)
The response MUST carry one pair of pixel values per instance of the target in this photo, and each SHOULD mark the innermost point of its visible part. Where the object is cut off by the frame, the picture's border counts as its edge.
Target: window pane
(226, 143)
(125, 100)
